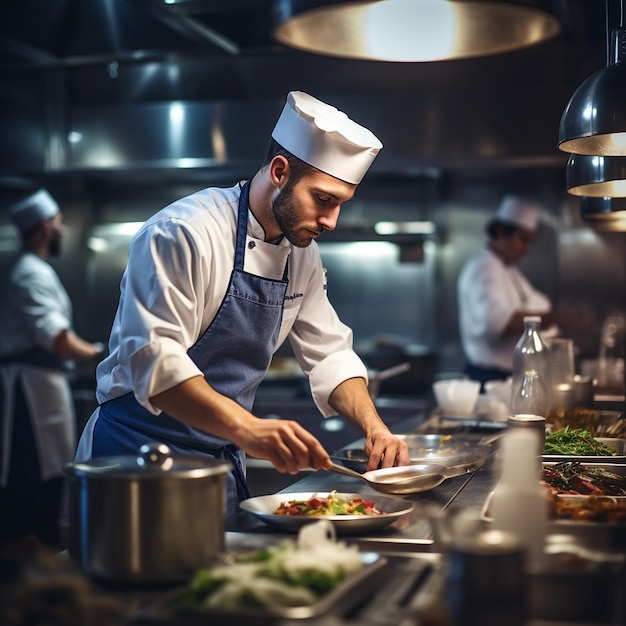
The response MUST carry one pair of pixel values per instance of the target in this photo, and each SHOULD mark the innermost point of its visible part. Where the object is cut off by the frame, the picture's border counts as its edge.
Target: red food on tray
(574, 478)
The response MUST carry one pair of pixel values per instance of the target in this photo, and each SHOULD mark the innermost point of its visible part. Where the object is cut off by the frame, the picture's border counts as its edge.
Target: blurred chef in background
(494, 296)
(37, 349)
(215, 283)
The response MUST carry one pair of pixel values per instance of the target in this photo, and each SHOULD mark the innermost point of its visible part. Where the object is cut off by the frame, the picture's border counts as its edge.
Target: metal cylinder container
(150, 518)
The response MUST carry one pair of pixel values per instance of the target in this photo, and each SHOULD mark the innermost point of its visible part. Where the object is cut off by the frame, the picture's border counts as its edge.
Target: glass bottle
(531, 397)
(531, 353)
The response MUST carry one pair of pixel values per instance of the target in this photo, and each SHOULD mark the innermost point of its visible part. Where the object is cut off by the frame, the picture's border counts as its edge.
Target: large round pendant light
(596, 176)
(594, 120)
(409, 30)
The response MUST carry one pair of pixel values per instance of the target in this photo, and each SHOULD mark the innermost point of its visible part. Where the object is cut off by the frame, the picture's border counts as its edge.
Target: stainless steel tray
(458, 454)
(348, 594)
(619, 445)
(616, 468)
(598, 423)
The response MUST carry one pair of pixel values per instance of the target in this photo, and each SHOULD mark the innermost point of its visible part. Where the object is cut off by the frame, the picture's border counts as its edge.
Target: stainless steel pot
(150, 518)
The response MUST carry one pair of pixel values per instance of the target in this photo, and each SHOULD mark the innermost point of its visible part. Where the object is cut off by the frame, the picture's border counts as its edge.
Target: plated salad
(326, 506)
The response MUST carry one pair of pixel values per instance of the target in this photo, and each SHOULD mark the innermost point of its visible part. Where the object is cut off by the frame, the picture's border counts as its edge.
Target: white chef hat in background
(518, 212)
(326, 138)
(34, 209)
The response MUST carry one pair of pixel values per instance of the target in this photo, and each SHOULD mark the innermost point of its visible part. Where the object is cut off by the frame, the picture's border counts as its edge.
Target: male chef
(214, 284)
(37, 349)
(493, 294)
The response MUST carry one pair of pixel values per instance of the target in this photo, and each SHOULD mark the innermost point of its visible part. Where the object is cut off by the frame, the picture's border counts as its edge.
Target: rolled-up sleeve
(320, 341)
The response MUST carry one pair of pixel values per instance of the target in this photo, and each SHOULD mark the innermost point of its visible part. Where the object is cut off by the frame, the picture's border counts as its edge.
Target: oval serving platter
(391, 508)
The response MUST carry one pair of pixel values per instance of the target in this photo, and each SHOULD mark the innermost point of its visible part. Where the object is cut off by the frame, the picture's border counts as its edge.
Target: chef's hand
(385, 449)
(286, 444)
(351, 399)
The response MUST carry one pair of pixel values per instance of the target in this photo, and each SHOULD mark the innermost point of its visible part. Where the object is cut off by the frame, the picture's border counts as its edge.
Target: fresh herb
(575, 442)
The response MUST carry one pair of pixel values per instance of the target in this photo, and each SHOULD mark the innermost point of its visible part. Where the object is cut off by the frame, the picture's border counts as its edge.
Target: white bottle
(519, 503)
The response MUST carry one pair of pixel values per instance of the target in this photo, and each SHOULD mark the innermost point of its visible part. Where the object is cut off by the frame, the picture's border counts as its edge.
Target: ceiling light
(596, 176)
(409, 30)
(594, 120)
(603, 209)
(607, 214)
(404, 228)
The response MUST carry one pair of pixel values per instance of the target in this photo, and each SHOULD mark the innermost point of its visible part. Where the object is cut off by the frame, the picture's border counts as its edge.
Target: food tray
(459, 454)
(347, 595)
(571, 498)
(598, 423)
(619, 445)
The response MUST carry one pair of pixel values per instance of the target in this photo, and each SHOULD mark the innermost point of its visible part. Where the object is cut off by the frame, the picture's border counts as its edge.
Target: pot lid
(154, 460)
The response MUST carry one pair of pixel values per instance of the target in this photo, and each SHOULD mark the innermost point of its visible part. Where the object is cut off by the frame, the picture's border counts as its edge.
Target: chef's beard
(54, 246)
(286, 217)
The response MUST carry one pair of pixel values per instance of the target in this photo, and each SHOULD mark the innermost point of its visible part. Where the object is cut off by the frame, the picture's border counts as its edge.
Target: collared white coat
(178, 271)
(489, 292)
(34, 309)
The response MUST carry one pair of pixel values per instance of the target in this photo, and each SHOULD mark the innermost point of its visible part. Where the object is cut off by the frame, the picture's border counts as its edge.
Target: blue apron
(234, 354)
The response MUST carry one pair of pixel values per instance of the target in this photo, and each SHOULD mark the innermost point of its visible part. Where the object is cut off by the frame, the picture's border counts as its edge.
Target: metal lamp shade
(603, 208)
(596, 176)
(594, 120)
(604, 213)
(406, 30)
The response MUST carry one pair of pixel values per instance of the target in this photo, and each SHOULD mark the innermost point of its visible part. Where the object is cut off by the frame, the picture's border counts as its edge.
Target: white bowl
(500, 390)
(457, 397)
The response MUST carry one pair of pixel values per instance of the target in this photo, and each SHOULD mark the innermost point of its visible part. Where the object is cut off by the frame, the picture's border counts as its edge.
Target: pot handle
(156, 454)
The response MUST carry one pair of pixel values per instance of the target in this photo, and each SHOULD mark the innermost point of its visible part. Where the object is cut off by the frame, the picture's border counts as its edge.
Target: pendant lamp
(594, 120)
(606, 214)
(410, 30)
(596, 176)
(603, 209)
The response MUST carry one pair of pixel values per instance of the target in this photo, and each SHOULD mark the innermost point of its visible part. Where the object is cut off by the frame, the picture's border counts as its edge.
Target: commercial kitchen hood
(192, 90)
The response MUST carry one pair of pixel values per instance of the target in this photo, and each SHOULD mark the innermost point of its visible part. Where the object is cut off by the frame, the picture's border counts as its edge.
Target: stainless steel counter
(566, 593)
(411, 588)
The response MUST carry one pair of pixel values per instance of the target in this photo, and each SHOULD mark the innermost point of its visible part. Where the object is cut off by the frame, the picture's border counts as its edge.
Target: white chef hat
(34, 209)
(325, 138)
(518, 212)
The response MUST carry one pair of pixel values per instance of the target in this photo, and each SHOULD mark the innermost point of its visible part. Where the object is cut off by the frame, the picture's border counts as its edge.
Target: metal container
(486, 581)
(536, 423)
(150, 518)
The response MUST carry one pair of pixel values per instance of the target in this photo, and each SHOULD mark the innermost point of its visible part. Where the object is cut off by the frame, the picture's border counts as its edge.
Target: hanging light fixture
(603, 209)
(608, 214)
(594, 120)
(596, 176)
(409, 30)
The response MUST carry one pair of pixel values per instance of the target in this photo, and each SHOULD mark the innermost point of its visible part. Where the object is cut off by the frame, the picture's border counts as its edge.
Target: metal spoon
(399, 480)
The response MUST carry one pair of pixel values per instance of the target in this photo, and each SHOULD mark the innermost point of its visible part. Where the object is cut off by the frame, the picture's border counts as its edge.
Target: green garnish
(575, 442)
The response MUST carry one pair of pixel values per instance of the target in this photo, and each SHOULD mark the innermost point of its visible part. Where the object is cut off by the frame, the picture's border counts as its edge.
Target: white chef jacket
(34, 309)
(179, 266)
(489, 292)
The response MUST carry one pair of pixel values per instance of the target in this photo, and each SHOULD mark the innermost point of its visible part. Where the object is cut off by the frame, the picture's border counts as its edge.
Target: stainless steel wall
(412, 301)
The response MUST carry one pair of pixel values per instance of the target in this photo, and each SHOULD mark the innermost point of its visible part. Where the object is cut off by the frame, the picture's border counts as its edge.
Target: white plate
(392, 509)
